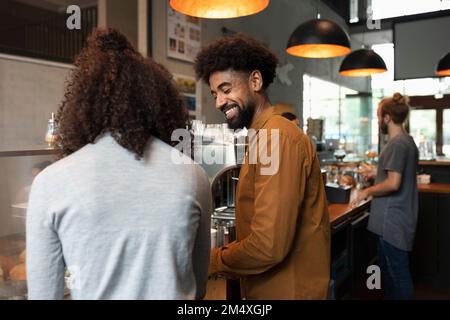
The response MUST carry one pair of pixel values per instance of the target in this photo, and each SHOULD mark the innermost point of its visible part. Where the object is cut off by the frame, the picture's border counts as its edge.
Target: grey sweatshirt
(124, 228)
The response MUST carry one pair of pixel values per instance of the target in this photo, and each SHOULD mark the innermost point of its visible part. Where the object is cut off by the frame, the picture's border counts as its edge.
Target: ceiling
(341, 7)
(58, 5)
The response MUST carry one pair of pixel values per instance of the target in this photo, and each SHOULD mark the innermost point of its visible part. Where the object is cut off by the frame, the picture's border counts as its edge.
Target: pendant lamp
(219, 9)
(362, 63)
(318, 38)
(443, 68)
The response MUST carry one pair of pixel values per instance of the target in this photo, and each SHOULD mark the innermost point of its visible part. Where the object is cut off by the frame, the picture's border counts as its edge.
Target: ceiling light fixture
(219, 9)
(362, 63)
(443, 68)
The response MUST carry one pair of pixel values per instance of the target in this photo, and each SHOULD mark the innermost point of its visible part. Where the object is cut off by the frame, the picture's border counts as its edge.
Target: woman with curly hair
(125, 221)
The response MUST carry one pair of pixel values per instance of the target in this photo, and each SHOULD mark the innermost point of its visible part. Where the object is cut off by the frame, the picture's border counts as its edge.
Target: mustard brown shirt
(282, 249)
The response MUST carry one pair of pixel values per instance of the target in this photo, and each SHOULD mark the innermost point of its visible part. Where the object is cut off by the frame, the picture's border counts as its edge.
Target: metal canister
(223, 221)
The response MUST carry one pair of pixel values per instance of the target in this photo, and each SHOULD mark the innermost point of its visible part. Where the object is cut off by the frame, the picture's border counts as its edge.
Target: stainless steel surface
(224, 190)
(223, 186)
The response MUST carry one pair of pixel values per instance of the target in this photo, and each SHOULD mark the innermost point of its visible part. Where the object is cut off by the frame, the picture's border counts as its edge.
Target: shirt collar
(262, 119)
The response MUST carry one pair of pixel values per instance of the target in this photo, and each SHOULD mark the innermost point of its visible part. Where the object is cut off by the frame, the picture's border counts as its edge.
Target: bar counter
(440, 188)
(340, 216)
(353, 248)
(434, 163)
(339, 212)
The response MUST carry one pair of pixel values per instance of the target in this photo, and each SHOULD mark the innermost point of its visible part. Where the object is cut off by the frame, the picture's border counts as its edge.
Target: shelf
(27, 153)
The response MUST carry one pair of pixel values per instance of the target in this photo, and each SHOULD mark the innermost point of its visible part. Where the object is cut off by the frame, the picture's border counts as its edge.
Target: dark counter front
(430, 258)
(353, 250)
(354, 247)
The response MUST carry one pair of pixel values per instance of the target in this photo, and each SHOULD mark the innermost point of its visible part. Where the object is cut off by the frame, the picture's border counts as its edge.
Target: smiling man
(282, 249)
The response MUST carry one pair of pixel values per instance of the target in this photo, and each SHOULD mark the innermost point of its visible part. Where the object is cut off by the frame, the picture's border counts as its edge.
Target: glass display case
(17, 171)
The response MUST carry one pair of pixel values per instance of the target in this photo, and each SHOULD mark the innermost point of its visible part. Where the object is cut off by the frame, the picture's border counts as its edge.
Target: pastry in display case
(17, 172)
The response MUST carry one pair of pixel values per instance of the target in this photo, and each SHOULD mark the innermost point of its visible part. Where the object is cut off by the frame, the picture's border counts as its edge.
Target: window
(347, 114)
(383, 9)
(446, 131)
(422, 127)
(426, 121)
(383, 84)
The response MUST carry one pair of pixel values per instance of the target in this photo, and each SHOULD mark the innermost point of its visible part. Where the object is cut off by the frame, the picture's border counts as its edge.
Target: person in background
(125, 221)
(283, 231)
(24, 193)
(394, 208)
(292, 117)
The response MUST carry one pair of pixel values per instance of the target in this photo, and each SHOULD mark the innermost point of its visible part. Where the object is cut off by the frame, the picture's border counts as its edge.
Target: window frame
(427, 103)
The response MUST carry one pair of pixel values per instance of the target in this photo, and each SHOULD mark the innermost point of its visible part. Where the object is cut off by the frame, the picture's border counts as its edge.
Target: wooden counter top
(434, 188)
(434, 163)
(340, 212)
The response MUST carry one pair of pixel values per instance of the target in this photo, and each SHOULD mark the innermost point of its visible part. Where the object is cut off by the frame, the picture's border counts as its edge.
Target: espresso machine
(223, 188)
(220, 152)
(228, 149)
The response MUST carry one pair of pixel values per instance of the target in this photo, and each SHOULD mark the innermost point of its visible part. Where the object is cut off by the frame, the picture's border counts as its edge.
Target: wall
(25, 107)
(279, 20)
(30, 90)
(119, 14)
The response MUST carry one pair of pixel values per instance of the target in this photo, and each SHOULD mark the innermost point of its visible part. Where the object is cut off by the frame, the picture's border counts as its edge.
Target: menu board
(184, 36)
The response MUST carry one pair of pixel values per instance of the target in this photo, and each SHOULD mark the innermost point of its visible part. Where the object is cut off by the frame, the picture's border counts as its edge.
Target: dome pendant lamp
(318, 38)
(219, 9)
(362, 63)
(443, 68)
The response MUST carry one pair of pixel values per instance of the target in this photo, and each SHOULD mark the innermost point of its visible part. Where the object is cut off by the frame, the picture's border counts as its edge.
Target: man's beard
(384, 128)
(244, 117)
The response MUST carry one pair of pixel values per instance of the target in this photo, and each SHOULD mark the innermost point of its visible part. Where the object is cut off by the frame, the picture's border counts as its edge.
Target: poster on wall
(184, 36)
(188, 88)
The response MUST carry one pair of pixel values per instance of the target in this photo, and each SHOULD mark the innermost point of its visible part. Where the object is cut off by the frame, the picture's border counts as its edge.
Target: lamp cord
(318, 9)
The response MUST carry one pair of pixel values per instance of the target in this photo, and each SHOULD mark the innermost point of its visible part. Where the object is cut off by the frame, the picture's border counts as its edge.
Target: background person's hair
(289, 115)
(397, 107)
(113, 88)
(41, 165)
(239, 53)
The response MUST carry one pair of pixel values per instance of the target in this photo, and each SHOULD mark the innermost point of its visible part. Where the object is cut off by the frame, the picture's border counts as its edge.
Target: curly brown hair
(238, 53)
(114, 89)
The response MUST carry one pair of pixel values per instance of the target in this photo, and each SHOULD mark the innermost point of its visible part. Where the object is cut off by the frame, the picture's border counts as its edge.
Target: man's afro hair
(238, 53)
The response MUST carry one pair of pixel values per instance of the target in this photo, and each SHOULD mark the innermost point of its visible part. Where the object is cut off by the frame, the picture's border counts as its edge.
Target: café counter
(352, 248)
